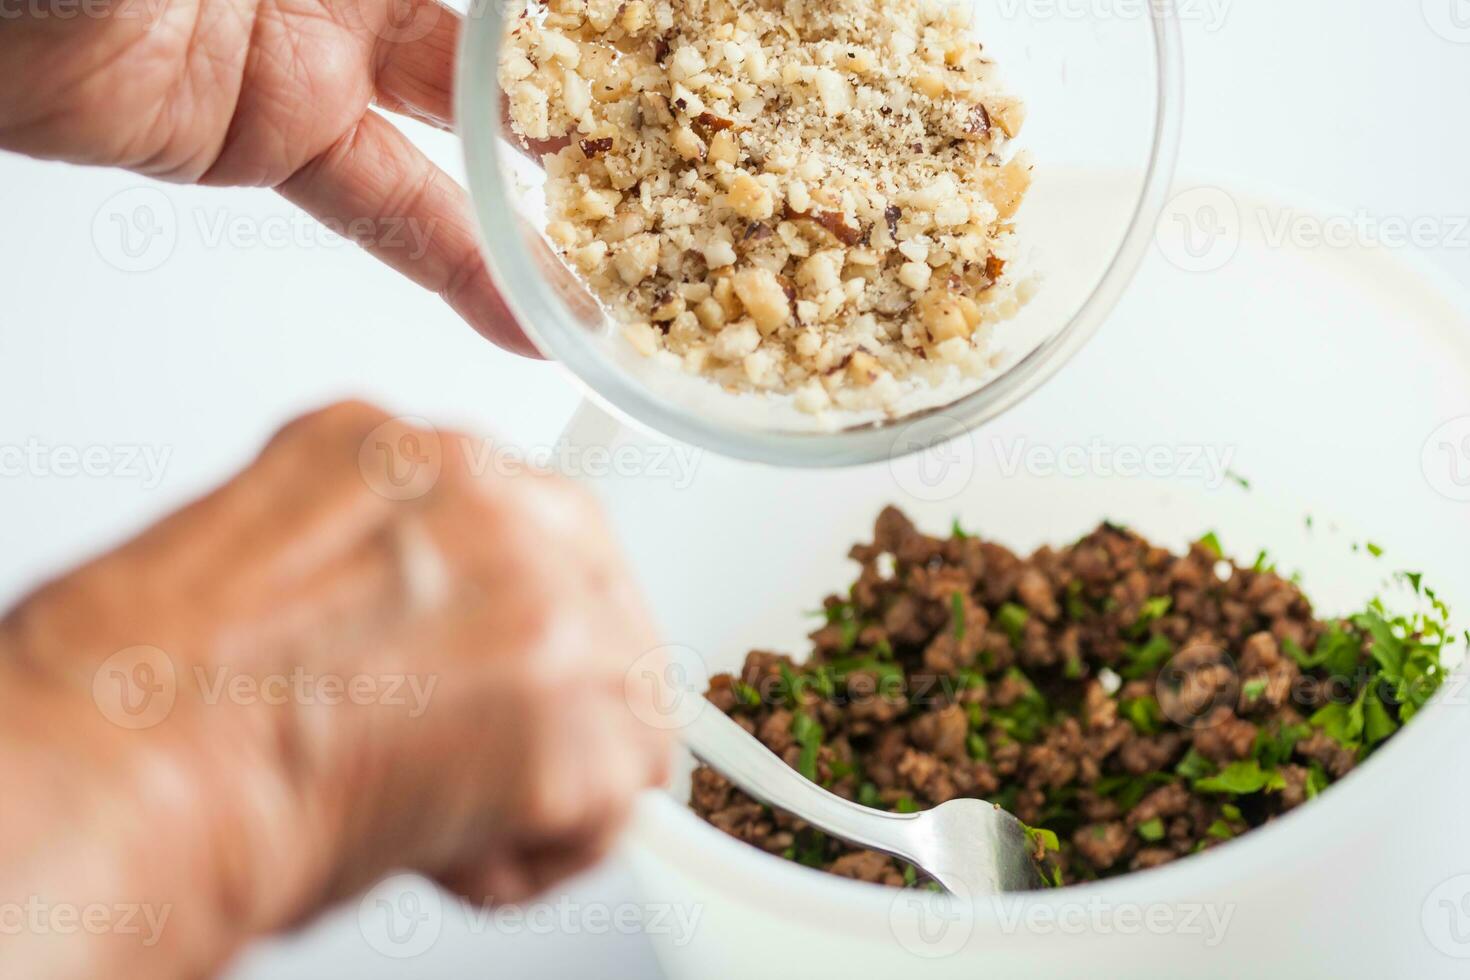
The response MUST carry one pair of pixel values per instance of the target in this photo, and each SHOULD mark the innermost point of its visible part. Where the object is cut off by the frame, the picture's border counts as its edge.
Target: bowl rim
(668, 831)
(534, 304)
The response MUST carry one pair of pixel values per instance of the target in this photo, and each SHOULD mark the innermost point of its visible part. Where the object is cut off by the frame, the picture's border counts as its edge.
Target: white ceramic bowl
(1331, 379)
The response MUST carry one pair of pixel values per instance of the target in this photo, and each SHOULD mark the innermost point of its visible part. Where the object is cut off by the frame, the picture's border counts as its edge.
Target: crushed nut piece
(798, 197)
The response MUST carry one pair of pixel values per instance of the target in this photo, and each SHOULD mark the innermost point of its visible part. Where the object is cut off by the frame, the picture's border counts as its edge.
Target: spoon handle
(741, 758)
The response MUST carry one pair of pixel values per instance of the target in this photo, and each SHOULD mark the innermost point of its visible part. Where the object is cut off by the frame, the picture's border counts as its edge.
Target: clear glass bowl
(1103, 103)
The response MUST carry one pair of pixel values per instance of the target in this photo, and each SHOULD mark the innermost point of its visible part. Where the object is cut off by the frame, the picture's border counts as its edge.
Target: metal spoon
(971, 847)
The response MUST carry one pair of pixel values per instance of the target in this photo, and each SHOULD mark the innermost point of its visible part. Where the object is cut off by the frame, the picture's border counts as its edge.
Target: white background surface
(1356, 103)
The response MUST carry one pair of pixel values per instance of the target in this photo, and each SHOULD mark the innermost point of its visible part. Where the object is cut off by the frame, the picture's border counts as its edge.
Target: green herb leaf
(1012, 620)
(794, 684)
(1144, 713)
(1240, 778)
(1153, 610)
(889, 676)
(811, 849)
(1151, 830)
(975, 745)
(844, 614)
(1047, 838)
(808, 734)
(1211, 543)
(957, 532)
(1343, 723)
(1337, 652)
(747, 695)
(1274, 749)
(1386, 648)
(1025, 719)
(1194, 766)
(1077, 609)
(1126, 790)
(1316, 780)
(957, 616)
(823, 682)
(1144, 660)
(1378, 724)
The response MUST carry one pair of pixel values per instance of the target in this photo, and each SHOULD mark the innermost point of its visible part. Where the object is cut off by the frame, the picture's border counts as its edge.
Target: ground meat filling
(1141, 705)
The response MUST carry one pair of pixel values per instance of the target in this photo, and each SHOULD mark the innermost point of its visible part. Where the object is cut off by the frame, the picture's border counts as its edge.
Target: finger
(501, 879)
(415, 61)
(548, 865)
(407, 212)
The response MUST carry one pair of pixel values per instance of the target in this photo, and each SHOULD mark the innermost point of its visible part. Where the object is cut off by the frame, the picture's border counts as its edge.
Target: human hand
(266, 93)
(505, 758)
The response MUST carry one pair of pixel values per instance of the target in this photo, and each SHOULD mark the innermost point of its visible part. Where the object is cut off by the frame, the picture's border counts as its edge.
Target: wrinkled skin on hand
(267, 93)
(507, 759)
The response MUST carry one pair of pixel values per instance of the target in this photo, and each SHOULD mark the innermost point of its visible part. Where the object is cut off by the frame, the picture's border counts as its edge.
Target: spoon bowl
(971, 847)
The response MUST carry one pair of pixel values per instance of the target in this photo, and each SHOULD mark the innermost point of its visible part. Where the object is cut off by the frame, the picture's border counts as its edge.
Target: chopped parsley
(1024, 719)
(1241, 778)
(1041, 839)
(1153, 609)
(808, 734)
(746, 694)
(1012, 620)
(1144, 659)
(957, 616)
(1151, 830)
(1076, 608)
(1194, 766)
(975, 745)
(1144, 713)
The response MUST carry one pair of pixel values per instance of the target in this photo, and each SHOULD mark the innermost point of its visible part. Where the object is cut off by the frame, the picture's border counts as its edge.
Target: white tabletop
(174, 375)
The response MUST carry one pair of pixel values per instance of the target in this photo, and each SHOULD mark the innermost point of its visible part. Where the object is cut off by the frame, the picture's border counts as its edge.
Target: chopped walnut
(814, 199)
